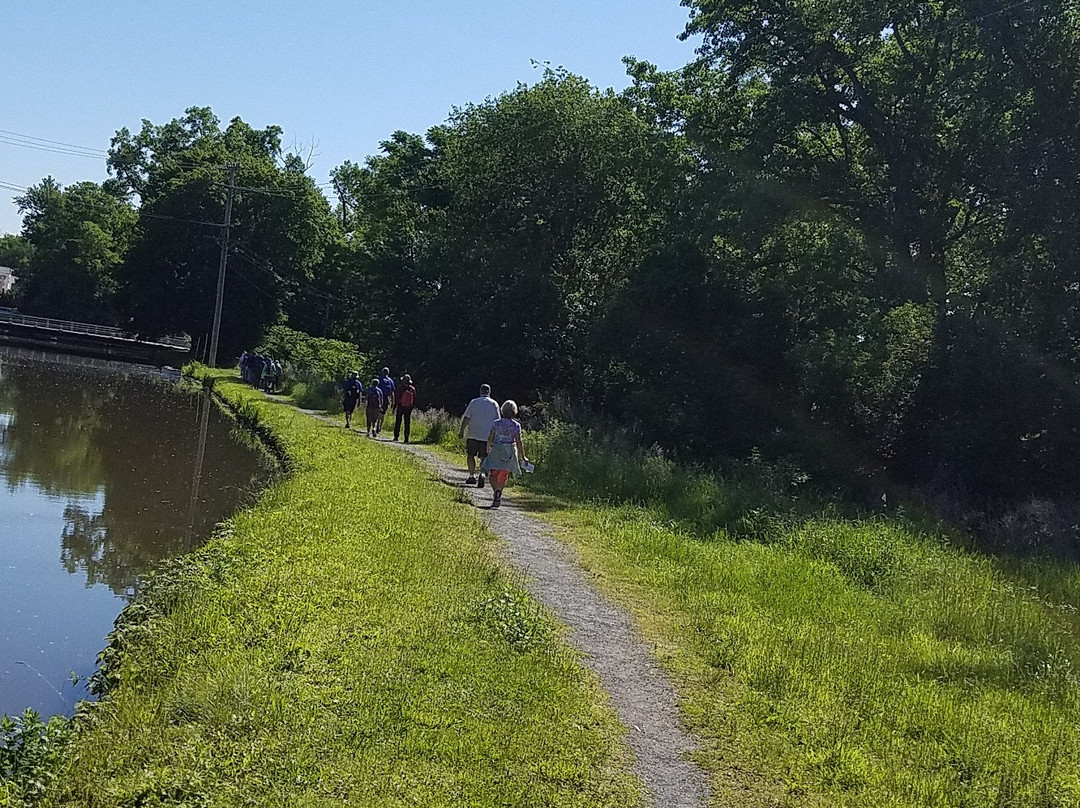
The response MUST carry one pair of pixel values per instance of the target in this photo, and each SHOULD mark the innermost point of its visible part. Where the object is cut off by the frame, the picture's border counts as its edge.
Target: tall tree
(80, 236)
(281, 225)
(889, 111)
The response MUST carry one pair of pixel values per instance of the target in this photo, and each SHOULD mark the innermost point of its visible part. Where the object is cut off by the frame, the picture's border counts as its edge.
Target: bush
(588, 465)
(438, 428)
(30, 754)
(313, 366)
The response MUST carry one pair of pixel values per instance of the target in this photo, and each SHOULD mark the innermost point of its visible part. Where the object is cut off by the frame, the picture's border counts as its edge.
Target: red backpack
(407, 397)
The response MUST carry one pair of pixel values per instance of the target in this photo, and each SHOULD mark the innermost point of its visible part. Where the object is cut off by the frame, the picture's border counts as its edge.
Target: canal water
(105, 472)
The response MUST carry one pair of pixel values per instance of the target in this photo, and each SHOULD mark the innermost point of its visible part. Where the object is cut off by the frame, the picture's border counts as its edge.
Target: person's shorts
(499, 477)
(349, 404)
(476, 448)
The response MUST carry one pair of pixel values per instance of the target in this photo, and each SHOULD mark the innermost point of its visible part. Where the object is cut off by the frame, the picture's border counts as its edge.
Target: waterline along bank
(106, 471)
(350, 639)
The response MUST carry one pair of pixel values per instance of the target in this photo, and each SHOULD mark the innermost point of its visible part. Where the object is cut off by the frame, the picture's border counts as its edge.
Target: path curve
(641, 693)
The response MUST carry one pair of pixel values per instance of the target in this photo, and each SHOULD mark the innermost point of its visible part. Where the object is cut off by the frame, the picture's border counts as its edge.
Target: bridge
(89, 339)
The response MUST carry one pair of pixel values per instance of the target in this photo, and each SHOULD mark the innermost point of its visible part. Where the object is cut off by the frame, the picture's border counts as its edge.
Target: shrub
(313, 366)
(30, 753)
(437, 427)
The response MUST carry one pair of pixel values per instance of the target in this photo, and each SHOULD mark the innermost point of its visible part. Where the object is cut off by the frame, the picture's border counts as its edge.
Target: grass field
(350, 639)
(828, 660)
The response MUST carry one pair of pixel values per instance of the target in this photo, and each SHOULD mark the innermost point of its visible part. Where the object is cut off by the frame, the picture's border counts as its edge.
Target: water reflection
(123, 471)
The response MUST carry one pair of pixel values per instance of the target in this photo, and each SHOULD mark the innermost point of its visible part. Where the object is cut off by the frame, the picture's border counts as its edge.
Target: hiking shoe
(480, 482)
(497, 501)
(471, 481)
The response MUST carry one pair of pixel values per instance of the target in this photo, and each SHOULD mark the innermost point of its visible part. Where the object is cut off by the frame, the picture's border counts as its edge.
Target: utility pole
(221, 268)
(344, 206)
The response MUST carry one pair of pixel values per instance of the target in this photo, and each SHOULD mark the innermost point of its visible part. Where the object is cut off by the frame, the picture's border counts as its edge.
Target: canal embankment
(351, 638)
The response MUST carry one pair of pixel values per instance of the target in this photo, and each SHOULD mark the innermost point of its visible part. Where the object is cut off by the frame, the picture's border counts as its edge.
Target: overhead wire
(264, 264)
(277, 298)
(19, 135)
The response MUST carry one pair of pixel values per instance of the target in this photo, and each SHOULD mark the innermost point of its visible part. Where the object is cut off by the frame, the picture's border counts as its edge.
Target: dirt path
(641, 694)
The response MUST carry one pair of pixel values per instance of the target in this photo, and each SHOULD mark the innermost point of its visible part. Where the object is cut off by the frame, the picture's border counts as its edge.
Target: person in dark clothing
(257, 370)
(374, 399)
(406, 400)
(386, 385)
(351, 391)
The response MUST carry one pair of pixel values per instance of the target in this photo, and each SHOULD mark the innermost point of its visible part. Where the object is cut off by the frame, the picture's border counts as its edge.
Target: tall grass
(350, 640)
(830, 660)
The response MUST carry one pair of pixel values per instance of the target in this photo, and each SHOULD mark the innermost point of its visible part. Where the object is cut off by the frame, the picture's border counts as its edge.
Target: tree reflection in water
(130, 444)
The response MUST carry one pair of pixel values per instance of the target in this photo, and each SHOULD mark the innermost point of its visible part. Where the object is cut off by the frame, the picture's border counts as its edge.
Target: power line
(260, 262)
(21, 136)
(74, 152)
(177, 219)
(275, 298)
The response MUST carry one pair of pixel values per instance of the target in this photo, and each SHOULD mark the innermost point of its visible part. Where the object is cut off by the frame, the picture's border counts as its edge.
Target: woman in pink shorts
(504, 450)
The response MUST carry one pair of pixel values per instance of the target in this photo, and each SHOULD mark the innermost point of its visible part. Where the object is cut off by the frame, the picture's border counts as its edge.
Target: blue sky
(337, 75)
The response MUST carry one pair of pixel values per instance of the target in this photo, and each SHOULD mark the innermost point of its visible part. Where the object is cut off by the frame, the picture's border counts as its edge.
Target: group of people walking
(493, 445)
(493, 448)
(261, 372)
(381, 394)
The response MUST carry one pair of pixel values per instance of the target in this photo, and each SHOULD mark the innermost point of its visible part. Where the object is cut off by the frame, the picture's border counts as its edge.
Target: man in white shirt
(479, 416)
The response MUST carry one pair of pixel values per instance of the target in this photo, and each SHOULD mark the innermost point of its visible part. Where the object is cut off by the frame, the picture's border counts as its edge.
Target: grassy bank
(828, 660)
(348, 640)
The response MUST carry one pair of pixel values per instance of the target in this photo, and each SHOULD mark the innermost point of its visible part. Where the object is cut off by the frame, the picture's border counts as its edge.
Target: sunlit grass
(351, 639)
(832, 661)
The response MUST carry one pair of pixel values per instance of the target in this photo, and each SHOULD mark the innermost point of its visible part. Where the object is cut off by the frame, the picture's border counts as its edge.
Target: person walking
(386, 385)
(406, 400)
(266, 375)
(374, 400)
(256, 371)
(505, 451)
(351, 391)
(482, 412)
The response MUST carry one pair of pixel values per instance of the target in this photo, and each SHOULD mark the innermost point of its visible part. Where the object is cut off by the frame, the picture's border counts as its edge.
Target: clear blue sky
(339, 75)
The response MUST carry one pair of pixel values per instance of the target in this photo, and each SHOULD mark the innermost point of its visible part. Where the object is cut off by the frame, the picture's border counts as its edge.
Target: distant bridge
(89, 339)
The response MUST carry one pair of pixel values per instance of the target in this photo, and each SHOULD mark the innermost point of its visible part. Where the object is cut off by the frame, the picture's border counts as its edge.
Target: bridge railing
(70, 327)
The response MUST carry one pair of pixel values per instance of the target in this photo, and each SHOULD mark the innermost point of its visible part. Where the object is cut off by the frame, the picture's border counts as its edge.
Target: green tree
(890, 112)
(80, 236)
(15, 251)
(281, 226)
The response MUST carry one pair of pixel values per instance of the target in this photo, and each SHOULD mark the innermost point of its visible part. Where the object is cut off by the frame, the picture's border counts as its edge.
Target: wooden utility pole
(221, 268)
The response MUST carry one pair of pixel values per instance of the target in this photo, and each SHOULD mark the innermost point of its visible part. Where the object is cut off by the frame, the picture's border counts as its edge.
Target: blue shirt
(386, 384)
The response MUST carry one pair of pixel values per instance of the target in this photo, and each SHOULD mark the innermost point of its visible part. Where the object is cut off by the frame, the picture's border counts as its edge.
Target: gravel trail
(641, 694)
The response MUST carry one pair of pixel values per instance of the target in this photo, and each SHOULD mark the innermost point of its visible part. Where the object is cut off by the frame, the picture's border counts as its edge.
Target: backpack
(407, 397)
(374, 397)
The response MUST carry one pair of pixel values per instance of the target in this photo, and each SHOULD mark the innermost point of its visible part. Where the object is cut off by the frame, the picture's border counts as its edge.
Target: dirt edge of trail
(641, 693)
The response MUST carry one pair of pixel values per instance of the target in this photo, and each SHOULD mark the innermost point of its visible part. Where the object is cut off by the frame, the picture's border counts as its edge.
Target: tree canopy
(845, 233)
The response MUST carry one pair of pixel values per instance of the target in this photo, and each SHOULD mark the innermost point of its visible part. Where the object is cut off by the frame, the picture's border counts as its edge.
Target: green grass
(351, 639)
(824, 660)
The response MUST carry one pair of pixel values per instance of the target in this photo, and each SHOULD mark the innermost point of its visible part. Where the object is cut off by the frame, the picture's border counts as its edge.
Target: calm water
(98, 484)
